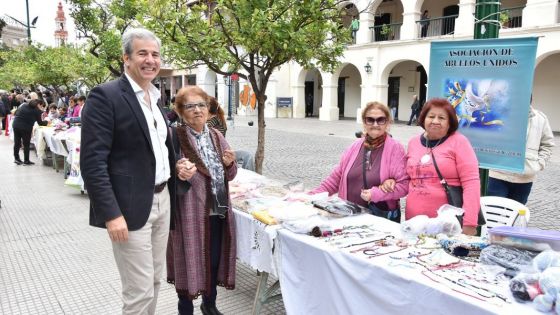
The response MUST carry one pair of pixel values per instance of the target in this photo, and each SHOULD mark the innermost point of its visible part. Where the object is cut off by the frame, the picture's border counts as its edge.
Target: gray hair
(137, 33)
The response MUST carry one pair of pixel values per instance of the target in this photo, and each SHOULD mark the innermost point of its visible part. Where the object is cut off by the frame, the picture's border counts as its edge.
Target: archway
(388, 19)
(545, 85)
(349, 90)
(312, 92)
(441, 17)
(511, 13)
(210, 85)
(405, 78)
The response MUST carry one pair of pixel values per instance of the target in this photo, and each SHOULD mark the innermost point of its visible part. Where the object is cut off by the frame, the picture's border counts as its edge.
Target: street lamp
(367, 68)
(227, 82)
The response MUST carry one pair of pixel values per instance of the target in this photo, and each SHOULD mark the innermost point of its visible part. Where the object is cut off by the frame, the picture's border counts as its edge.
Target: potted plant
(504, 19)
(386, 31)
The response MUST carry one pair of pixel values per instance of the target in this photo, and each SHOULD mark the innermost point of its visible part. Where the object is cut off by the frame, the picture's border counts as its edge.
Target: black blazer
(116, 157)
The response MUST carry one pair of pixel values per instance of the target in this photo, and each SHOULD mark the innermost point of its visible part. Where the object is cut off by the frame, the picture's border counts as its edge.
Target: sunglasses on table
(192, 106)
(372, 120)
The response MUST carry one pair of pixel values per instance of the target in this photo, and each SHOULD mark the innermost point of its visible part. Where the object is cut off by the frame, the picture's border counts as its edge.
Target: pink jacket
(76, 111)
(393, 165)
(457, 163)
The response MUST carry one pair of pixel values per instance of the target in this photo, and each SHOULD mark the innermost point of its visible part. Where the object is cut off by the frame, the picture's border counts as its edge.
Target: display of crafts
(269, 201)
(434, 247)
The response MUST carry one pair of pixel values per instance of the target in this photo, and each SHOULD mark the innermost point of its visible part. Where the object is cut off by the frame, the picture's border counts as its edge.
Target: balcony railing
(385, 32)
(511, 17)
(436, 26)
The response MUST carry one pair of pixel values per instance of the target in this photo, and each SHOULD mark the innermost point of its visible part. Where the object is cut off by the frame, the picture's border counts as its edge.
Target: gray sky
(46, 11)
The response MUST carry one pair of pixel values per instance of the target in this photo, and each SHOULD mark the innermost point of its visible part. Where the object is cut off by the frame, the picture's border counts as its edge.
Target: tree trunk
(259, 155)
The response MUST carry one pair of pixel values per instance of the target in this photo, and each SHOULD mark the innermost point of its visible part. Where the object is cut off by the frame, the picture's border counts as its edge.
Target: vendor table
(255, 244)
(318, 278)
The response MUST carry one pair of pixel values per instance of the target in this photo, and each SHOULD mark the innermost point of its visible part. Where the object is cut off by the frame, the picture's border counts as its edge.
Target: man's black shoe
(18, 162)
(28, 163)
(209, 309)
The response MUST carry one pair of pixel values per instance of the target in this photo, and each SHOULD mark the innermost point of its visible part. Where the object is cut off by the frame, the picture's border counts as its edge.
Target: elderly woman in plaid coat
(201, 252)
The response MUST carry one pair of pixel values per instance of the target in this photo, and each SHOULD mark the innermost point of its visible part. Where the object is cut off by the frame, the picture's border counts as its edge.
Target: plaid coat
(188, 255)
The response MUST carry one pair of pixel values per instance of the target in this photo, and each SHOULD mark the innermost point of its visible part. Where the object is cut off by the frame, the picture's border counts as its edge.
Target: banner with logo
(489, 84)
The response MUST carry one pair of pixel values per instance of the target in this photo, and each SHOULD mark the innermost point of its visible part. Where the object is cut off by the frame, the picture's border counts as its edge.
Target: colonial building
(13, 34)
(389, 61)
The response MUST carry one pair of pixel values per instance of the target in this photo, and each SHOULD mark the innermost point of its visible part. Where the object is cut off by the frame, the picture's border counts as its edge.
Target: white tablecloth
(317, 278)
(54, 140)
(255, 242)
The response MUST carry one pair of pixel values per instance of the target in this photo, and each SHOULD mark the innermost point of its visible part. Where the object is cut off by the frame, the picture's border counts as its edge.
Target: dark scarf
(371, 143)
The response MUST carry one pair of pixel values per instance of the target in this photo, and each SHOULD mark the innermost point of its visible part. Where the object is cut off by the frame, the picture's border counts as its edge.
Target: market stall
(360, 276)
(338, 261)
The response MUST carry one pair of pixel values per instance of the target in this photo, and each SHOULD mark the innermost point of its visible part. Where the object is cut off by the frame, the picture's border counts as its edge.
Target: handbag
(381, 208)
(455, 195)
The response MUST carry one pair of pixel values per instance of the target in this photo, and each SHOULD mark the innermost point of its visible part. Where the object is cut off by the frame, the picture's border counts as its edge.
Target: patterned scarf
(209, 163)
(371, 143)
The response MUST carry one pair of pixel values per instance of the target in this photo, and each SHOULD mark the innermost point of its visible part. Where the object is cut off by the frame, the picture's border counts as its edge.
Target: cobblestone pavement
(52, 262)
(308, 149)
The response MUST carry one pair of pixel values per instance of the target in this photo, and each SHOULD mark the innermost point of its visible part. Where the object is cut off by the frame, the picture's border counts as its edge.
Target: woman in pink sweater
(372, 170)
(455, 159)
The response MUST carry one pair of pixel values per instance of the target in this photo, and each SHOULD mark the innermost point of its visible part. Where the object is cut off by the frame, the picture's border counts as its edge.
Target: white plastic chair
(499, 211)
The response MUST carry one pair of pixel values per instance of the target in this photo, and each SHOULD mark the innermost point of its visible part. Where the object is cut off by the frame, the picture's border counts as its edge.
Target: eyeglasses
(191, 106)
(372, 120)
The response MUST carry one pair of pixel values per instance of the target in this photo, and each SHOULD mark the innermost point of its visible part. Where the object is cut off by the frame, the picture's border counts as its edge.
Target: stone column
(363, 35)
(329, 106)
(298, 92)
(171, 86)
(409, 29)
(464, 24)
(540, 13)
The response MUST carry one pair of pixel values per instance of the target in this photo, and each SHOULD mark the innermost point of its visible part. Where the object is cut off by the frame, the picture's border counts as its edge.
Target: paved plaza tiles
(52, 262)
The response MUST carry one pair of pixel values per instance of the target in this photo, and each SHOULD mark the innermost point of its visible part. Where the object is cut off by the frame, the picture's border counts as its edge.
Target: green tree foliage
(58, 68)
(17, 69)
(252, 37)
(102, 23)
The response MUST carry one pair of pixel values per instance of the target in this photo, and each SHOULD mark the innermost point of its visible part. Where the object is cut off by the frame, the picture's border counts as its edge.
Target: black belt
(159, 188)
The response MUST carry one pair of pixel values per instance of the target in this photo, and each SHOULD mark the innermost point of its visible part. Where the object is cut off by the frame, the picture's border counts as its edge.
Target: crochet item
(462, 245)
(549, 283)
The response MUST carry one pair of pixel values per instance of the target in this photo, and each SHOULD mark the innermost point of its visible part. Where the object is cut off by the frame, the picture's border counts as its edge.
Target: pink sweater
(76, 111)
(458, 165)
(393, 162)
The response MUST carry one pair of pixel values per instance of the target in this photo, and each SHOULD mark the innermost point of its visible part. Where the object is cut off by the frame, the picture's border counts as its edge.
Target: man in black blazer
(129, 166)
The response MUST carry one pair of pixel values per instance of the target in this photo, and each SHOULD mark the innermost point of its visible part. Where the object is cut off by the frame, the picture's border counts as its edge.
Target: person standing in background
(414, 109)
(26, 116)
(424, 23)
(355, 26)
(216, 116)
(540, 141)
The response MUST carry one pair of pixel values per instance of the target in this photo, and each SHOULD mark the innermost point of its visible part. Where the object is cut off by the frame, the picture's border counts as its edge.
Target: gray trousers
(141, 260)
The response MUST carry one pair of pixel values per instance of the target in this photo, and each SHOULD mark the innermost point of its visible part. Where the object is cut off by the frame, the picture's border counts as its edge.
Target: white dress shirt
(157, 128)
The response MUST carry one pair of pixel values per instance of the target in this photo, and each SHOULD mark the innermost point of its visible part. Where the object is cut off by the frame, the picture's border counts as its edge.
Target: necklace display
(427, 157)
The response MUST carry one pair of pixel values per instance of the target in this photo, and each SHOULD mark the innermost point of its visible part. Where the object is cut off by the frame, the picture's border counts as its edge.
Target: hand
(117, 229)
(469, 230)
(229, 157)
(366, 195)
(185, 169)
(388, 185)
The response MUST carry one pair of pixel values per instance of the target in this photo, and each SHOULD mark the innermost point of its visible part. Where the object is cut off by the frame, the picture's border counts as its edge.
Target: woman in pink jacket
(372, 171)
(455, 160)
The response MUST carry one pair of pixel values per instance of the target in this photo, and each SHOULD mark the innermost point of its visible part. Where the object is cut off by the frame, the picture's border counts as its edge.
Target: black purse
(455, 195)
(379, 209)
